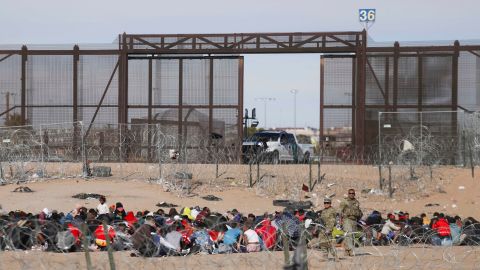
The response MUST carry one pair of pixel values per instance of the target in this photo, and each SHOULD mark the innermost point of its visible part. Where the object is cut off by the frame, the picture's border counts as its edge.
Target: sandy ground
(452, 188)
(367, 258)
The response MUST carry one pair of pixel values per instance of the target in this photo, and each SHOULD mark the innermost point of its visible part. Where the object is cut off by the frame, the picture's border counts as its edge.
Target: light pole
(265, 100)
(294, 92)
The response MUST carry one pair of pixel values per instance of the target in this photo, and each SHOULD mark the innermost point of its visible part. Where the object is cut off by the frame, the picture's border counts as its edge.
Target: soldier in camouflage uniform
(351, 213)
(324, 240)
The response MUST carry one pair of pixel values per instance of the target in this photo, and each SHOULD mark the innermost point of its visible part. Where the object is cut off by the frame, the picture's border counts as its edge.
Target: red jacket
(268, 233)
(75, 232)
(442, 227)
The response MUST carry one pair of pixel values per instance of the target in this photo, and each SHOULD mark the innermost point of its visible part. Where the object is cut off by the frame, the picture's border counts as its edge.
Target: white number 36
(366, 15)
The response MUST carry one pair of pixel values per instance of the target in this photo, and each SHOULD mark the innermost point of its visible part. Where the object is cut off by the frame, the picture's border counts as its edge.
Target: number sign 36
(367, 15)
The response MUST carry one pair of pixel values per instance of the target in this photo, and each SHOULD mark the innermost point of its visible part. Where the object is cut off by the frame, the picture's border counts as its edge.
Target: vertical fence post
(159, 153)
(464, 152)
(319, 172)
(380, 179)
(420, 160)
(286, 245)
(85, 169)
(258, 171)
(310, 184)
(250, 176)
(85, 243)
(379, 138)
(472, 165)
(390, 191)
(42, 164)
(109, 247)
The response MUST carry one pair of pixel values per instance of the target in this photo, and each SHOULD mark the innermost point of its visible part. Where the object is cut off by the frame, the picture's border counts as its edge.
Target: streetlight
(265, 100)
(294, 92)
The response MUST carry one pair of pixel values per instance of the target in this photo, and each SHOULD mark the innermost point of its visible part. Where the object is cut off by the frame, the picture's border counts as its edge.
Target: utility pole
(265, 100)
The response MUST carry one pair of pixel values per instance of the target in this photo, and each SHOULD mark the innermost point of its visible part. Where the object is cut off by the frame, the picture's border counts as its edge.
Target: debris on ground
(165, 204)
(431, 204)
(290, 204)
(366, 190)
(87, 196)
(183, 175)
(102, 171)
(22, 189)
(211, 198)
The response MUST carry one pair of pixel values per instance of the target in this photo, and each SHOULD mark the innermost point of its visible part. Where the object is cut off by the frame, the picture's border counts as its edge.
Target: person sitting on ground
(173, 236)
(250, 238)
(142, 239)
(231, 238)
(200, 218)
(456, 230)
(173, 212)
(389, 228)
(201, 240)
(425, 219)
(267, 233)
(442, 229)
(99, 234)
(102, 208)
(471, 229)
(122, 240)
(119, 213)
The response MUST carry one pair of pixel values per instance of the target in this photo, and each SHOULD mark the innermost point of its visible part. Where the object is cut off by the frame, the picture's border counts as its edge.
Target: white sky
(100, 21)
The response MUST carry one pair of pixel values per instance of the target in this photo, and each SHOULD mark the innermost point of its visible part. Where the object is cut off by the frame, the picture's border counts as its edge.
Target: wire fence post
(286, 245)
(310, 184)
(85, 243)
(258, 171)
(85, 169)
(250, 176)
(380, 178)
(42, 164)
(159, 153)
(379, 138)
(420, 160)
(111, 260)
(390, 190)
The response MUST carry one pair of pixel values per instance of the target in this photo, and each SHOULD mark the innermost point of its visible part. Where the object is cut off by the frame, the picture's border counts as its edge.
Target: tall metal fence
(423, 138)
(400, 78)
(67, 149)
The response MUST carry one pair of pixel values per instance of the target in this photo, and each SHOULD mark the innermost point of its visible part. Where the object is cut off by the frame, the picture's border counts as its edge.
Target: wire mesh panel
(468, 81)
(421, 138)
(10, 88)
(225, 81)
(166, 82)
(337, 116)
(95, 73)
(195, 81)
(49, 82)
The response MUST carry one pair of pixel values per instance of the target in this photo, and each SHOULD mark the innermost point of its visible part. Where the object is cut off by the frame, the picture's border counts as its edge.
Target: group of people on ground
(193, 230)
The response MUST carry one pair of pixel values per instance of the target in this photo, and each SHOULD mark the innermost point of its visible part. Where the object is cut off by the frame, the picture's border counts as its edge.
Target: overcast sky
(100, 21)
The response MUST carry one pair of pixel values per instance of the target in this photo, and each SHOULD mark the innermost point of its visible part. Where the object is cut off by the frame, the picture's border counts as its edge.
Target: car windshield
(265, 137)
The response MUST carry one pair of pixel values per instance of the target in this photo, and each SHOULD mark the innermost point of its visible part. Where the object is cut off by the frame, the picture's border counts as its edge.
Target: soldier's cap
(327, 200)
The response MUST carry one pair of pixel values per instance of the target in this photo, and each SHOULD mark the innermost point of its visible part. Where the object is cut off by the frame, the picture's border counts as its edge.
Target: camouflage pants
(349, 227)
(323, 242)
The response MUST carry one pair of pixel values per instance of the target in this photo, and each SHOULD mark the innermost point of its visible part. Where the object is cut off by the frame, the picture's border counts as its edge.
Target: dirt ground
(452, 188)
(367, 258)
